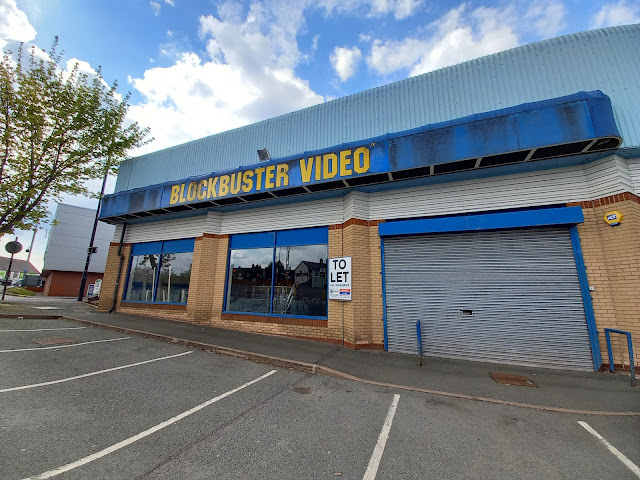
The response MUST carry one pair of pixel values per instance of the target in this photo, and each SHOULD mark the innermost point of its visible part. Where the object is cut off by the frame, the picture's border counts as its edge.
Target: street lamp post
(91, 249)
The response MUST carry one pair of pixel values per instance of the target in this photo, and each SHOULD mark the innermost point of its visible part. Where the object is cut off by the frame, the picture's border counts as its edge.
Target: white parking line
(374, 463)
(68, 379)
(64, 346)
(141, 435)
(42, 329)
(628, 463)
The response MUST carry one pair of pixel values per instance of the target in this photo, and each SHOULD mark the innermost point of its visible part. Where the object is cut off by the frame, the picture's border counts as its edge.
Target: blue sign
(575, 124)
(297, 172)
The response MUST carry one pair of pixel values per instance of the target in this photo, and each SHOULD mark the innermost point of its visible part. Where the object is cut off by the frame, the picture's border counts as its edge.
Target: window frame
(274, 239)
(183, 245)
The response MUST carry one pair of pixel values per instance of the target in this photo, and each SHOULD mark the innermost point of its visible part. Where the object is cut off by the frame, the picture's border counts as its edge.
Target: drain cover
(508, 379)
(54, 341)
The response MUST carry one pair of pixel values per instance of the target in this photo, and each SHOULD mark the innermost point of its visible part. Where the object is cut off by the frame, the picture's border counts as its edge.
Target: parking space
(139, 408)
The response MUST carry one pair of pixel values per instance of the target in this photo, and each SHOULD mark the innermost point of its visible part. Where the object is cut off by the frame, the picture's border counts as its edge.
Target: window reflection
(301, 281)
(142, 278)
(175, 274)
(249, 286)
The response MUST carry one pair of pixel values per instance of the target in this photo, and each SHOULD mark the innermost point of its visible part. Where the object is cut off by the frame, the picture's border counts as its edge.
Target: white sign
(340, 278)
(98, 284)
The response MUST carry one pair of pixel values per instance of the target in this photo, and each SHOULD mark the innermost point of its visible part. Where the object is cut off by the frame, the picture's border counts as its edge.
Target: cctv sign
(340, 278)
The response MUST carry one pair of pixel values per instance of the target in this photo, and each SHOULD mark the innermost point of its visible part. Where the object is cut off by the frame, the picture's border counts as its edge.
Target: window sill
(155, 306)
(247, 317)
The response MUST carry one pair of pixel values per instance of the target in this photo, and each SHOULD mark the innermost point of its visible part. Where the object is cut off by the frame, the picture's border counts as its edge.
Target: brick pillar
(111, 275)
(363, 314)
(208, 273)
(612, 260)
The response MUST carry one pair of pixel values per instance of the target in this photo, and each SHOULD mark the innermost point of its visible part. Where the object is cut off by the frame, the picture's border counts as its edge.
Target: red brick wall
(67, 284)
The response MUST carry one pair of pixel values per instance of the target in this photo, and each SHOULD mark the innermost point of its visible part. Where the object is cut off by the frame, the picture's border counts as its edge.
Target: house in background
(66, 252)
(17, 271)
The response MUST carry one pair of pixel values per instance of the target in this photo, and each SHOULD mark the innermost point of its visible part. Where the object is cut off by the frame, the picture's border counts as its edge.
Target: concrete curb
(316, 369)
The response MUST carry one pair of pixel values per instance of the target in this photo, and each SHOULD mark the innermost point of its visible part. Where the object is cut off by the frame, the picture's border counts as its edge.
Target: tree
(57, 130)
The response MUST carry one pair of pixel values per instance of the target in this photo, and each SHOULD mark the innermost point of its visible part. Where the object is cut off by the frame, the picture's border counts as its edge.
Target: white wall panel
(69, 239)
(164, 230)
(571, 184)
(282, 217)
(634, 173)
(598, 179)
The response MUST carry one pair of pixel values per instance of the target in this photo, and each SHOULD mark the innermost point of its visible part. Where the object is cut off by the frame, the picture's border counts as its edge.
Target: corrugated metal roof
(605, 59)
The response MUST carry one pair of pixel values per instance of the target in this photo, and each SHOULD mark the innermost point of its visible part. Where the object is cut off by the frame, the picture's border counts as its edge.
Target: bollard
(419, 331)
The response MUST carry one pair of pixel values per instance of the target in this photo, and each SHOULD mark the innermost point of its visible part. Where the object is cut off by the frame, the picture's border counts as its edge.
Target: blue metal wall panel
(302, 236)
(540, 217)
(604, 59)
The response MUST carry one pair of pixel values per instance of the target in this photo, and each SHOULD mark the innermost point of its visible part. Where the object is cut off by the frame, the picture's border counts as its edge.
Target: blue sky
(198, 67)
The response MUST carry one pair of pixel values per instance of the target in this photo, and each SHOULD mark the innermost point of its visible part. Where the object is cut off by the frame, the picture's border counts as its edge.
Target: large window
(160, 272)
(298, 284)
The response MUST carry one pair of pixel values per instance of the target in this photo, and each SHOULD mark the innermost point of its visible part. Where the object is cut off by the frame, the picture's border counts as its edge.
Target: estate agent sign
(340, 278)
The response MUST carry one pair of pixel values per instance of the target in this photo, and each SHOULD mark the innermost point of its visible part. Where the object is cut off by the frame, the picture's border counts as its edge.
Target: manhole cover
(508, 379)
(302, 390)
(54, 341)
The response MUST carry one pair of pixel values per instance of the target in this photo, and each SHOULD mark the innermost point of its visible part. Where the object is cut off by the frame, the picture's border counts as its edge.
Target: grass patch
(20, 291)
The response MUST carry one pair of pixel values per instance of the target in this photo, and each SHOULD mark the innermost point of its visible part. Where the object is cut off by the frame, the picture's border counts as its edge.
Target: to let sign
(340, 278)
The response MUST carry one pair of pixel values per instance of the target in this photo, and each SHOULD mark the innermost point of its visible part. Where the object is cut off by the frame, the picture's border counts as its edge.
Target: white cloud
(249, 75)
(400, 9)
(390, 56)
(170, 3)
(14, 24)
(345, 61)
(155, 6)
(463, 37)
(621, 13)
(547, 18)
(463, 34)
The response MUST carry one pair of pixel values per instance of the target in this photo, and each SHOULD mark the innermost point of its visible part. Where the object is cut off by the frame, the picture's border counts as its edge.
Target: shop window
(298, 284)
(160, 272)
(142, 278)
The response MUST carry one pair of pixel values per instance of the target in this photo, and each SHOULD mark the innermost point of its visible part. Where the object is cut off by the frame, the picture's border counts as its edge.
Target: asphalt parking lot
(114, 406)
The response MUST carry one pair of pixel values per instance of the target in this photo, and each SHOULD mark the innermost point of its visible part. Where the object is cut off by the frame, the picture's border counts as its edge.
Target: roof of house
(17, 265)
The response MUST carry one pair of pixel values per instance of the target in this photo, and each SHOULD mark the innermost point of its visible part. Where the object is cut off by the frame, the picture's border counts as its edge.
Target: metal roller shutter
(509, 296)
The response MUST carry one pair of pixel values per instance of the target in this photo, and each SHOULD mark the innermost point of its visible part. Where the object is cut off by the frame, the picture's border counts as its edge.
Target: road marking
(141, 435)
(374, 463)
(64, 346)
(42, 329)
(68, 379)
(628, 463)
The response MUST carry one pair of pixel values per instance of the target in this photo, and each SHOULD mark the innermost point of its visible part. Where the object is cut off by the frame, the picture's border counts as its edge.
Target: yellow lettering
(306, 167)
(326, 172)
(202, 193)
(259, 172)
(282, 179)
(211, 187)
(182, 199)
(345, 161)
(175, 190)
(191, 191)
(248, 181)
(236, 182)
(223, 189)
(269, 175)
(361, 161)
(318, 167)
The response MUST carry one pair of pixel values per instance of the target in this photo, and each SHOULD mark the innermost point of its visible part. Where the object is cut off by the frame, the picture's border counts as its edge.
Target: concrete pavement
(587, 393)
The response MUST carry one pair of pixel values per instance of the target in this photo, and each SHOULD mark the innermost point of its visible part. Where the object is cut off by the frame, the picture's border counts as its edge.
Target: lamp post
(91, 250)
(26, 266)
